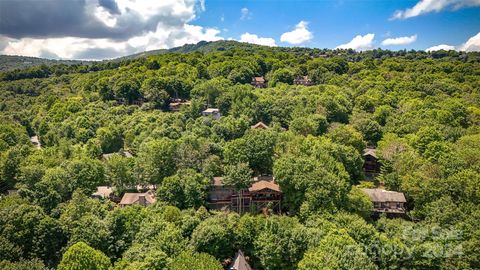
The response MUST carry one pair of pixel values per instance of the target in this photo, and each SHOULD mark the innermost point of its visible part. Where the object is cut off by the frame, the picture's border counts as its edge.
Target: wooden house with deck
(384, 201)
(263, 194)
(303, 80)
(259, 82)
(371, 165)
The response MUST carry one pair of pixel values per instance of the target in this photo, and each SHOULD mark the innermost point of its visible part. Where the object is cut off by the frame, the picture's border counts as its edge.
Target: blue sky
(102, 29)
(337, 22)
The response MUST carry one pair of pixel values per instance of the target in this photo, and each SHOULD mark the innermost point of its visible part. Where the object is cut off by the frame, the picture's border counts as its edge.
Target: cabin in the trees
(176, 104)
(240, 262)
(263, 194)
(103, 192)
(303, 80)
(36, 142)
(259, 125)
(384, 201)
(108, 156)
(259, 82)
(143, 199)
(213, 112)
(371, 165)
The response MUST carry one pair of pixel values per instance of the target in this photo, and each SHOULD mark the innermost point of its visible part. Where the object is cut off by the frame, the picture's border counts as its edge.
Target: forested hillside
(421, 111)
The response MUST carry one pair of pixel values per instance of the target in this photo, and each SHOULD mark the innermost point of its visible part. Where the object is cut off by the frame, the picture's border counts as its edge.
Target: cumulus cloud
(427, 6)
(399, 40)
(245, 14)
(472, 45)
(444, 47)
(359, 43)
(97, 29)
(84, 48)
(299, 35)
(252, 38)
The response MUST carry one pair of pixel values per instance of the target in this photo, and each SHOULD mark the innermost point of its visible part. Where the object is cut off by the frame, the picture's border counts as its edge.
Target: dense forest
(421, 111)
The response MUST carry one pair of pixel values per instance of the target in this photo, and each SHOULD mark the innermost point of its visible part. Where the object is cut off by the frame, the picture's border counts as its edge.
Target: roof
(132, 198)
(239, 262)
(370, 152)
(380, 195)
(258, 79)
(217, 181)
(103, 191)
(302, 78)
(259, 125)
(122, 153)
(263, 184)
(211, 110)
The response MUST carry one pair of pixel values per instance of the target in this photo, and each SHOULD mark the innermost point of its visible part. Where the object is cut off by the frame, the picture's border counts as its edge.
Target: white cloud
(172, 29)
(399, 40)
(359, 43)
(444, 47)
(472, 44)
(427, 6)
(245, 14)
(252, 38)
(299, 35)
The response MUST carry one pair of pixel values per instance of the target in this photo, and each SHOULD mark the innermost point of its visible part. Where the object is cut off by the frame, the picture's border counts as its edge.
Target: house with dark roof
(143, 199)
(264, 193)
(259, 82)
(371, 165)
(385, 201)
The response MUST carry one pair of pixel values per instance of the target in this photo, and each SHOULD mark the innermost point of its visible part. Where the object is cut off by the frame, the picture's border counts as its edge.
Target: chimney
(142, 200)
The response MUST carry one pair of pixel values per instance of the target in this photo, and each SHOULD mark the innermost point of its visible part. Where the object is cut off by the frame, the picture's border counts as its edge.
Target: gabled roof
(260, 125)
(263, 184)
(259, 79)
(370, 152)
(239, 262)
(132, 198)
(380, 195)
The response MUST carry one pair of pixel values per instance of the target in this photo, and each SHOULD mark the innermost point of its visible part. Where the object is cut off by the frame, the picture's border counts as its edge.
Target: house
(239, 262)
(121, 153)
(259, 125)
(177, 104)
(143, 199)
(103, 192)
(36, 142)
(385, 201)
(264, 193)
(259, 82)
(303, 80)
(371, 165)
(215, 113)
